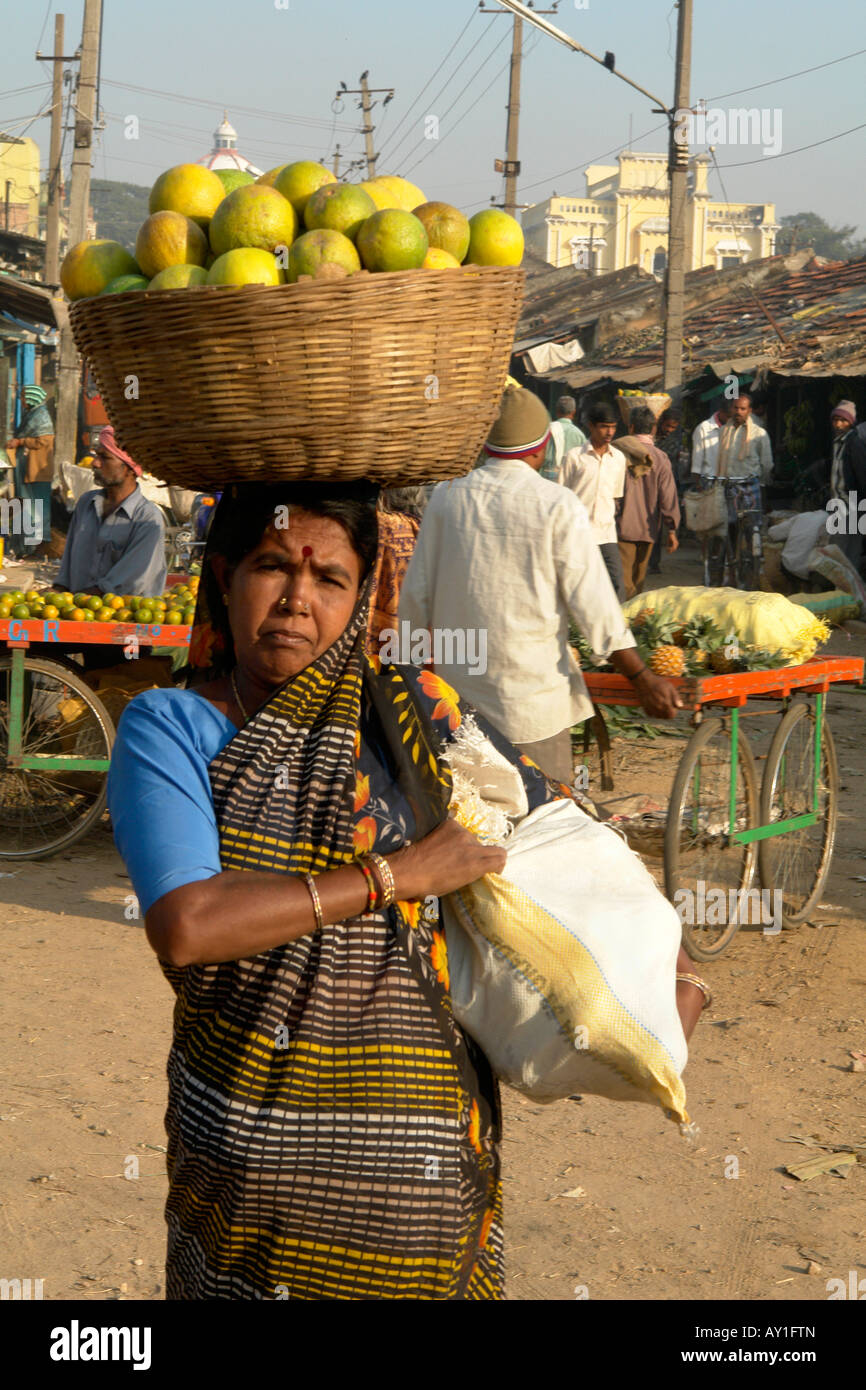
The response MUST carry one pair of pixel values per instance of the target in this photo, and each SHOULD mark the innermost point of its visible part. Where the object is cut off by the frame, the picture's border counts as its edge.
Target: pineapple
(720, 663)
(655, 644)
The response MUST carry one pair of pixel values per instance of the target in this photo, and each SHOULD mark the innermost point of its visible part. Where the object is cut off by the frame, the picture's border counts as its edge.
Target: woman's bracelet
(700, 984)
(372, 886)
(317, 902)
(388, 889)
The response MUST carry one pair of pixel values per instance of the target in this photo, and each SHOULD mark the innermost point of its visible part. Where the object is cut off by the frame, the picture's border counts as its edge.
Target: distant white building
(225, 154)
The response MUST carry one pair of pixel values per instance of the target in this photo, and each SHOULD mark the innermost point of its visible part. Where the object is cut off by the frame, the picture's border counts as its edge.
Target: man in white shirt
(564, 435)
(595, 473)
(507, 553)
(745, 450)
(706, 440)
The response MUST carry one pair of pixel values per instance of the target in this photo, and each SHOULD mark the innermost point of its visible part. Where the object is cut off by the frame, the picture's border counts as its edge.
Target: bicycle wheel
(797, 863)
(705, 871)
(45, 811)
(748, 563)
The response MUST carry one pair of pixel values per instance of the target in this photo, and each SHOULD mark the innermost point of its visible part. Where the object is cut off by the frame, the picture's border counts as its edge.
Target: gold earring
(226, 600)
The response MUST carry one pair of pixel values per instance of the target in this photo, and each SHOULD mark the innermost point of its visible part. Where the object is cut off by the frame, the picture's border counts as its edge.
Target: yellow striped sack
(563, 967)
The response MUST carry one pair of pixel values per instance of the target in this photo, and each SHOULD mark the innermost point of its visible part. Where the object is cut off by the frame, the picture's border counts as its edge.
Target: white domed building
(225, 153)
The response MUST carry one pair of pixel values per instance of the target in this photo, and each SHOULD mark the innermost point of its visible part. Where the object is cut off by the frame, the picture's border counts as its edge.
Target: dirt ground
(602, 1201)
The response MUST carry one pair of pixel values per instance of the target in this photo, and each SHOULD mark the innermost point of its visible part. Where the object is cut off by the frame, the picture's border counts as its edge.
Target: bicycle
(740, 534)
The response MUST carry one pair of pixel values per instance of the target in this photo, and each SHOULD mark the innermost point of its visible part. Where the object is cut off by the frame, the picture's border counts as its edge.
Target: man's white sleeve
(414, 606)
(584, 582)
(698, 450)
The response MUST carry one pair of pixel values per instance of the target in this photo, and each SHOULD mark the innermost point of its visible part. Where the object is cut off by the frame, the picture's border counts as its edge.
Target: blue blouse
(159, 793)
(159, 790)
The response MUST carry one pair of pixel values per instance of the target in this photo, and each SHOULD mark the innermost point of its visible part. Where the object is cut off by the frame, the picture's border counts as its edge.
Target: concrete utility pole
(337, 162)
(512, 163)
(678, 164)
(510, 166)
(68, 375)
(677, 167)
(52, 215)
(367, 129)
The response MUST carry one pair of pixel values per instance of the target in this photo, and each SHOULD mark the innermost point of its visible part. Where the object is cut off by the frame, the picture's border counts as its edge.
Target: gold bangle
(700, 984)
(317, 902)
(389, 889)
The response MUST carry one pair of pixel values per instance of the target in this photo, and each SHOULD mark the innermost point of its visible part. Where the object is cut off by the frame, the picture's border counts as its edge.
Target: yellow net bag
(768, 621)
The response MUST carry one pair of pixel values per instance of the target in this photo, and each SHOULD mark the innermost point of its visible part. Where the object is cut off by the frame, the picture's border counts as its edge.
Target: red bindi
(307, 551)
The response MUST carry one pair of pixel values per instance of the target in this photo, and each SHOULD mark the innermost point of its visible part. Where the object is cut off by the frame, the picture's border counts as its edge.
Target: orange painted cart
(55, 733)
(721, 826)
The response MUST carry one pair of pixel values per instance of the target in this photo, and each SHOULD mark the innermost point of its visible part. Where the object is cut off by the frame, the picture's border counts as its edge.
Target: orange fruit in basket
(168, 238)
(392, 240)
(322, 247)
(89, 615)
(144, 615)
(390, 191)
(114, 601)
(253, 216)
(495, 238)
(94, 603)
(179, 277)
(124, 284)
(20, 610)
(106, 615)
(89, 266)
(174, 617)
(270, 178)
(341, 207)
(437, 259)
(124, 615)
(190, 189)
(234, 178)
(446, 227)
(246, 265)
(50, 611)
(299, 180)
(5, 608)
(78, 615)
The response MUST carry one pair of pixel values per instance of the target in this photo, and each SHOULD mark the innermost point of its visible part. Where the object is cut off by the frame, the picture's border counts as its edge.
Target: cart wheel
(700, 858)
(797, 863)
(42, 812)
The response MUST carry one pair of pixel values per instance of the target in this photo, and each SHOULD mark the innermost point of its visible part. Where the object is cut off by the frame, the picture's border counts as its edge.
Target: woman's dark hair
(601, 414)
(246, 510)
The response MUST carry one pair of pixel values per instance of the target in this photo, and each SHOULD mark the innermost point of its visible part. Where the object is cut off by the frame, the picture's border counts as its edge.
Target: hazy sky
(284, 59)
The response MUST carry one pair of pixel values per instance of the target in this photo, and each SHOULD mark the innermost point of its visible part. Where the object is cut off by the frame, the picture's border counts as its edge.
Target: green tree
(119, 209)
(833, 242)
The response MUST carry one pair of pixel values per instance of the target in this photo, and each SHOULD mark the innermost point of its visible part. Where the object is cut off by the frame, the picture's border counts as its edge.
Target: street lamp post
(678, 157)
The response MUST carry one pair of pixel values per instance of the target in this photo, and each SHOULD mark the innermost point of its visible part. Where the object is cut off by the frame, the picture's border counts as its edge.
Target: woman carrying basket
(332, 1132)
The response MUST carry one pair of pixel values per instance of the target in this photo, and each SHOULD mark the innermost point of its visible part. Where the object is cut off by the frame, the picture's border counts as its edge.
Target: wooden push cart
(721, 825)
(56, 734)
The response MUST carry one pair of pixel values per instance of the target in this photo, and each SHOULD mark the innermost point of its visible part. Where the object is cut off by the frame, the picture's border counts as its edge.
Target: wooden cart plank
(812, 677)
(20, 632)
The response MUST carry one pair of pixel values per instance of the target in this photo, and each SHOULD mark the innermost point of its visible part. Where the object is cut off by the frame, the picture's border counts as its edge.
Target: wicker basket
(394, 377)
(657, 403)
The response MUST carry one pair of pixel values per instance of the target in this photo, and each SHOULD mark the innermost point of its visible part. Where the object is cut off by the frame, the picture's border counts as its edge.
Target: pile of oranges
(175, 607)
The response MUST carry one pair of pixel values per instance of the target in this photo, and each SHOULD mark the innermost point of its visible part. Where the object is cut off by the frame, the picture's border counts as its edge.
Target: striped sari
(332, 1132)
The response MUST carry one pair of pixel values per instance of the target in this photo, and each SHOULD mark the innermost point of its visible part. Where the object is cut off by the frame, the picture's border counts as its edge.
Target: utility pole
(79, 198)
(365, 92)
(674, 297)
(52, 215)
(337, 162)
(510, 166)
(678, 164)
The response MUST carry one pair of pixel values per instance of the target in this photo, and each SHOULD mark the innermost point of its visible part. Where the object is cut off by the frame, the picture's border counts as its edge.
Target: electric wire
(395, 132)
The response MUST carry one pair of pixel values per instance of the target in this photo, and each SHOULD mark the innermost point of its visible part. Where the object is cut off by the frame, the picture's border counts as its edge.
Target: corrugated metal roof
(819, 308)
